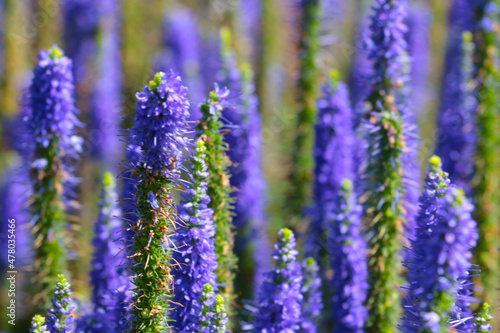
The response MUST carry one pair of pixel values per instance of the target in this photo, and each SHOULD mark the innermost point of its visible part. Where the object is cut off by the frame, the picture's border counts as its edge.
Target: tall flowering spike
(180, 25)
(159, 129)
(219, 189)
(38, 325)
(347, 260)
(105, 110)
(486, 181)
(244, 142)
(81, 24)
(194, 257)
(384, 128)
(483, 319)
(312, 303)
(308, 88)
(108, 277)
(211, 313)
(280, 299)
(418, 36)
(61, 319)
(457, 114)
(333, 155)
(436, 183)
(50, 118)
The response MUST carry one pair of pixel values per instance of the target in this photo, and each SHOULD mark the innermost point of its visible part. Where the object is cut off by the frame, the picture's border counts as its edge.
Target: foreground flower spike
(50, 119)
(435, 186)
(61, 319)
(457, 115)
(194, 257)
(347, 250)
(108, 277)
(38, 325)
(312, 303)
(486, 181)
(105, 110)
(333, 155)
(219, 190)
(159, 129)
(308, 86)
(210, 314)
(386, 145)
(244, 140)
(280, 300)
(483, 319)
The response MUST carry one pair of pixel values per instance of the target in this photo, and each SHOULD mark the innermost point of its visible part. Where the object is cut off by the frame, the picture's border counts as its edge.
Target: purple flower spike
(348, 262)
(280, 300)
(311, 292)
(61, 320)
(194, 258)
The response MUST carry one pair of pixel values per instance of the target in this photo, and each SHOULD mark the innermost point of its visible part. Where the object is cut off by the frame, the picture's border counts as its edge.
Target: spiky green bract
(486, 181)
(51, 122)
(160, 131)
(219, 189)
(383, 126)
(38, 325)
(483, 319)
(307, 90)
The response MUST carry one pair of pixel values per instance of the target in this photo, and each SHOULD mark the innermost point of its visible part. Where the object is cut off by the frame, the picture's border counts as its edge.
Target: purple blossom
(439, 290)
(311, 292)
(210, 311)
(280, 300)
(456, 117)
(38, 325)
(61, 319)
(160, 123)
(105, 111)
(81, 22)
(108, 276)
(133, 158)
(182, 53)
(333, 154)
(348, 262)
(194, 258)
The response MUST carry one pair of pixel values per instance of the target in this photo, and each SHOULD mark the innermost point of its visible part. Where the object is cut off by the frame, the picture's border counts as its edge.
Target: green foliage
(219, 190)
(307, 90)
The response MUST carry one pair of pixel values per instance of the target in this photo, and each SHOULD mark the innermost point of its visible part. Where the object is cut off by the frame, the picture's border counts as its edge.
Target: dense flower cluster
(312, 304)
(210, 312)
(280, 300)
(333, 155)
(50, 119)
(194, 257)
(108, 276)
(160, 124)
(159, 130)
(61, 319)
(38, 325)
(347, 248)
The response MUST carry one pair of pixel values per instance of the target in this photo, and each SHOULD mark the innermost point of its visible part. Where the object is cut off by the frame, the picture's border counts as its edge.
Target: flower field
(264, 166)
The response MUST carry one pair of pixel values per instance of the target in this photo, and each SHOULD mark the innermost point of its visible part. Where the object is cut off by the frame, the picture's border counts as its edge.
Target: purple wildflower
(347, 260)
(161, 139)
(210, 312)
(61, 319)
(105, 111)
(312, 303)
(456, 139)
(418, 36)
(108, 277)
(194, 257)
(133, 158)
(81, 22)
(280, 300)
(181, 25)
(38, 325)
(333, 154)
